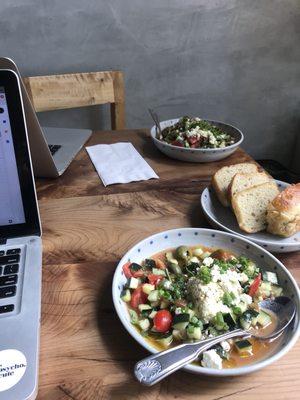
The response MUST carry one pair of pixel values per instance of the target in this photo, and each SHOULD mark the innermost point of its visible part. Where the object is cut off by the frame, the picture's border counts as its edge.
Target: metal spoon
(156, 367)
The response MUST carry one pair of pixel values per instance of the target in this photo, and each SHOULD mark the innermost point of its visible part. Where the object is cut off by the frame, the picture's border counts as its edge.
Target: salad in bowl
(195, 139)
(190, 293)
(195, 133)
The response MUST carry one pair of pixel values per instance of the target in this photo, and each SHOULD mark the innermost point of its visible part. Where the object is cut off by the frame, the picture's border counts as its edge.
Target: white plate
(198, 155)
(210, 238)
(224, 218)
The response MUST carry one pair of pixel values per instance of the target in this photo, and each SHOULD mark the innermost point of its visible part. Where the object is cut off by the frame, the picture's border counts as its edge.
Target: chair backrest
(57, 92)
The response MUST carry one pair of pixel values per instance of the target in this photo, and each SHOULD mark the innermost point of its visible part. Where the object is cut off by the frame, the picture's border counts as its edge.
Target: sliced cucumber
(191, 313)
(194, 332)
(133, 283)
(265, 289)
(248, 319)
(276, 290)
(230, 320)
(157, 271)
(125, 295)
(143, 307)
(178, 335)
(133, 316)
(270, 277)
(144, 324)
(243, 346)
(263, 319)
(166, 341)
(152, 314)
(181, 321)
(153, 296)
(148, 288)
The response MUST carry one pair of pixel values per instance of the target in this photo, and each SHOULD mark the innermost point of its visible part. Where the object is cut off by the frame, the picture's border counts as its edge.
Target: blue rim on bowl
(155, 243)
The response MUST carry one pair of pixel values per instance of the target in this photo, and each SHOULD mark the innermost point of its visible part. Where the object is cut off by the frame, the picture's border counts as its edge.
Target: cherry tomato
(177, 143)
(127, 271)
(160, 264)
(155, 279)
(162, 320)
(254, 285)
(138, 274)
(193, 140)
(138, 297)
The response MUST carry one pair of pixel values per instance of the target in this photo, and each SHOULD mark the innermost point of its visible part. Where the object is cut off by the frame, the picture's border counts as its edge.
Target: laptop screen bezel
(10, 82)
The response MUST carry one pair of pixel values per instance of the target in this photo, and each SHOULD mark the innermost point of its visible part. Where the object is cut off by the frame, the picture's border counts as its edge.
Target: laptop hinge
(3, 241)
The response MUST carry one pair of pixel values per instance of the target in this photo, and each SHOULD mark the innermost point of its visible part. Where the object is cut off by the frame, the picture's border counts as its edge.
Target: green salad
(192, 293)
(195, 133)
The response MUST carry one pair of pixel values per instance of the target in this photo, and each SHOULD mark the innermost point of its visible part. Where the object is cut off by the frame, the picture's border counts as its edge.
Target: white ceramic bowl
(224, 218)
(211, 238)
(198, 155)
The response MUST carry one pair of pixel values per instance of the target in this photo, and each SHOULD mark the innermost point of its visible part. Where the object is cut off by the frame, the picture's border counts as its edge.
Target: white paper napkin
(119, 163)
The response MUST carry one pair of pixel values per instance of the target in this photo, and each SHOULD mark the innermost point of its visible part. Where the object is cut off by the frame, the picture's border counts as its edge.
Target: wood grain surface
(86, 354)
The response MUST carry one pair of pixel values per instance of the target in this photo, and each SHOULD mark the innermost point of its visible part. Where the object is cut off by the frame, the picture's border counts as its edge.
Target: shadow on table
(124, 352)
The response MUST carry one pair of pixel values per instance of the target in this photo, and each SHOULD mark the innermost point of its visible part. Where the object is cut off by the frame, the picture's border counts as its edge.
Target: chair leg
(117, 109)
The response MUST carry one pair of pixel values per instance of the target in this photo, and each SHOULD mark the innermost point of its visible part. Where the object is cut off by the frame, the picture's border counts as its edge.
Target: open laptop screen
(12, 209)
(18, 205)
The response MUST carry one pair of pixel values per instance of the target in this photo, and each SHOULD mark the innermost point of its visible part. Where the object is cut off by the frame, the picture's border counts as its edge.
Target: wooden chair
(57, 92)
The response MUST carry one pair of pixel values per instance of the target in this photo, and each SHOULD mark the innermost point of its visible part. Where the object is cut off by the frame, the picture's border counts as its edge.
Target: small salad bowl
(217, 240)
(198, 155)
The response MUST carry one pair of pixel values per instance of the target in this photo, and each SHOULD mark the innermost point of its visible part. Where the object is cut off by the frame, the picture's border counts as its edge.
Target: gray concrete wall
(232, 60)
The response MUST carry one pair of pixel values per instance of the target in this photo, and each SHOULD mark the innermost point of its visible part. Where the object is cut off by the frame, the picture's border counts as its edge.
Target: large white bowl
(198, 155)
(211, 238)
(224, 218)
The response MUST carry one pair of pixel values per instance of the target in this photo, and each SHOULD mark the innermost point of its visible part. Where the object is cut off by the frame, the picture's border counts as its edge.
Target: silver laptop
(20, 250)
(52, 149)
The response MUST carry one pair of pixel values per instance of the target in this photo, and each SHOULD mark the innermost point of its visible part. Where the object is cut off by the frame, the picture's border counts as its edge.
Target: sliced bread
(222, 178)
(250, 206)
(244, 181)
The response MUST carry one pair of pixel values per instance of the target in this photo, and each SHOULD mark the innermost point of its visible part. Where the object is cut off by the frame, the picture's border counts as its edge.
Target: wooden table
(86, 354)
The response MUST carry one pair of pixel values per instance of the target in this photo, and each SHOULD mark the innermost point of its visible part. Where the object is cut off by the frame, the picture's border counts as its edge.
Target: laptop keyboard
(53, 148)
(9, 268)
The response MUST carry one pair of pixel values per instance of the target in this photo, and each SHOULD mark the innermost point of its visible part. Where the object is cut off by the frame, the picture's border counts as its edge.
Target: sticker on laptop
(12, 368)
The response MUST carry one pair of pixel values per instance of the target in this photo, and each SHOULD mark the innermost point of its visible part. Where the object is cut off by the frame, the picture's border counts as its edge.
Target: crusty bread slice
(244, 181)
(250, 206)
(222, 178)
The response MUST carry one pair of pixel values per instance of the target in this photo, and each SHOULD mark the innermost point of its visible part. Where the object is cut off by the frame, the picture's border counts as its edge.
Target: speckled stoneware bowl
(210, 238)
(198, 155)
(224, 218)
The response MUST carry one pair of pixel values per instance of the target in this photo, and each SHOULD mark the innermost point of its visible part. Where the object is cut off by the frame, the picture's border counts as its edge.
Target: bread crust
(223, 195)
(239, 213)
(283, 214)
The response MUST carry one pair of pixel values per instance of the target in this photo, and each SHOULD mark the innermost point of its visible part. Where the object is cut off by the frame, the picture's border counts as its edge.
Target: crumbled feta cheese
(229, 282)
(207, 299)
(167, 284)
(225, 345)
(243, 277)
(245, 298)
(194, 260)
(211, 360)
(178, 310)
(208, 261)
(215, 273)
